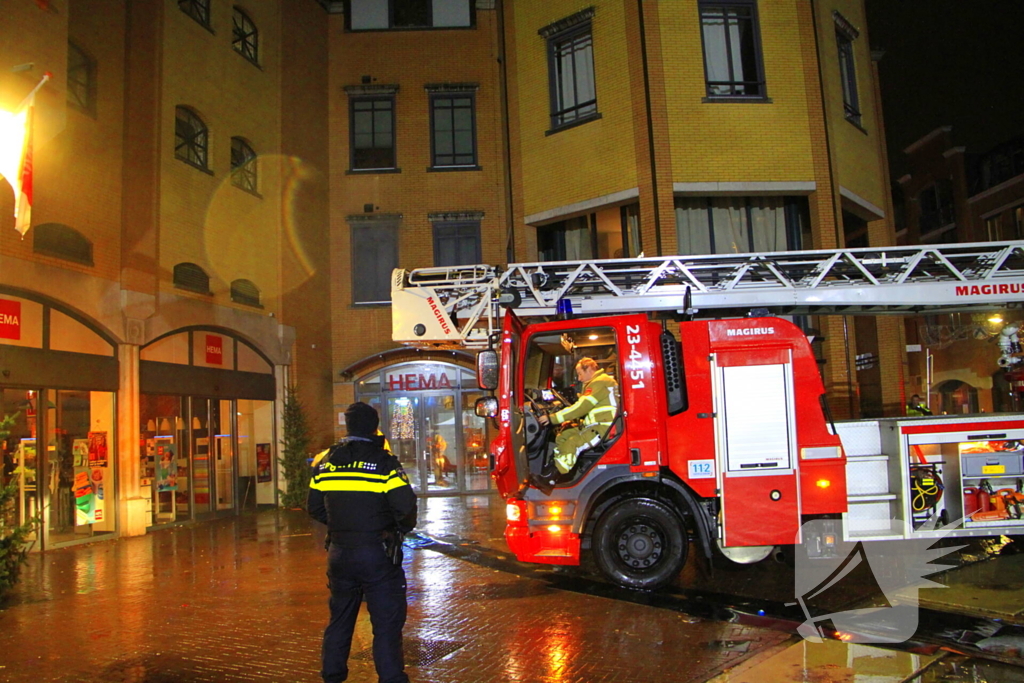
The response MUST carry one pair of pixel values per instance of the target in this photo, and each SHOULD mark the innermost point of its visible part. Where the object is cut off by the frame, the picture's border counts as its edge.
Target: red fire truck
(723, 437)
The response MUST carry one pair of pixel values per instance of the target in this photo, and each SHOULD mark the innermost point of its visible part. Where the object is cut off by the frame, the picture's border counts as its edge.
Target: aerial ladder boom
(459, 306)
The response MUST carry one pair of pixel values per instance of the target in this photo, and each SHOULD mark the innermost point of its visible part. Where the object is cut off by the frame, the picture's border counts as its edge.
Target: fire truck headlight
(554, 528)
(513, 511)
(824, 483)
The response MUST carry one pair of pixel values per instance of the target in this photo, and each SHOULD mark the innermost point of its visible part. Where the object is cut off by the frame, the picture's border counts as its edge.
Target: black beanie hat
(361, 420)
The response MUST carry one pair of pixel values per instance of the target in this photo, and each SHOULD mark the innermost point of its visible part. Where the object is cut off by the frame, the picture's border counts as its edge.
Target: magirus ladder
(460, 306)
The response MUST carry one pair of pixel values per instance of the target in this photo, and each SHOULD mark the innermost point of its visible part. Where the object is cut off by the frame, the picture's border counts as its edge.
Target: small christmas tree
(13, 552)
(295, 452)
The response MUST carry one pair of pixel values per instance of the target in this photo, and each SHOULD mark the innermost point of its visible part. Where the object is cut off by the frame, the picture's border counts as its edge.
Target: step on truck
(722, 439)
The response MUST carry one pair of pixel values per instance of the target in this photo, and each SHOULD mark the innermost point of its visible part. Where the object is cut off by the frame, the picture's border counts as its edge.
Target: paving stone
(245, 599)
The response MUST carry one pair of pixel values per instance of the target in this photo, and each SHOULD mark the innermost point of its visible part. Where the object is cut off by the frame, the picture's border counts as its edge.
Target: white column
(132, 506)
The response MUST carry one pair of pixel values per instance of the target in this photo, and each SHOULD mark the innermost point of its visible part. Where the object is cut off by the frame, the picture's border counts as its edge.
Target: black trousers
(355, 573)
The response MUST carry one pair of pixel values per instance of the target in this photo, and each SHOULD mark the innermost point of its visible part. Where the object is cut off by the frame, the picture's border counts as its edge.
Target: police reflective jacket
(597, 404)
(359, 490)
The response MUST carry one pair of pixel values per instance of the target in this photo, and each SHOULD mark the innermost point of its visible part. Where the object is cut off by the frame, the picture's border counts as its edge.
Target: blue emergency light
(564, 308)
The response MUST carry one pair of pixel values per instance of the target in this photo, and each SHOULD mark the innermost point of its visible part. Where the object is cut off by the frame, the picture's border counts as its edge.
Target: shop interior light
(996, 318)
(592, 337)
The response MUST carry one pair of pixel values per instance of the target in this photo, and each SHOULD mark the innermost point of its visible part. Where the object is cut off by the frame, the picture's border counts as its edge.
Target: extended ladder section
(459, 306)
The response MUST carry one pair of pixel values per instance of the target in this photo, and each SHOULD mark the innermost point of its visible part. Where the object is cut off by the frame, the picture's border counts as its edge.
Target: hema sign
(10, 319)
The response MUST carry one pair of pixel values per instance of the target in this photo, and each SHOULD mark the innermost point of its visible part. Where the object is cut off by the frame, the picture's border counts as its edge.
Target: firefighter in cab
(595, 409)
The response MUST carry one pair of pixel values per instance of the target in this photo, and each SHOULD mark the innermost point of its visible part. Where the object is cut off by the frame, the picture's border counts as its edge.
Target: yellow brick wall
(591, 160)
(410, 60)
(734, 141)
(858, 165)
(204, 218)
(77, 154)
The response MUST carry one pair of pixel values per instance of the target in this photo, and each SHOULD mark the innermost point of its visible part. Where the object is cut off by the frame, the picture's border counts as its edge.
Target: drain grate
(419, 651)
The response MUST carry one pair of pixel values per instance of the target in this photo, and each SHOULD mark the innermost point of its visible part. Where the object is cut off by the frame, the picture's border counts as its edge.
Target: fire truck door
(756, 447)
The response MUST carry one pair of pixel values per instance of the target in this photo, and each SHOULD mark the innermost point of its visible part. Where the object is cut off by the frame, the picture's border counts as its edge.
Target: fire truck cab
(724, 415)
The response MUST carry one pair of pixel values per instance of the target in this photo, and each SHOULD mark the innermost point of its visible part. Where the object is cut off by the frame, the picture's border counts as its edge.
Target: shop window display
(164, 463)
(79, 464)
(20, 463)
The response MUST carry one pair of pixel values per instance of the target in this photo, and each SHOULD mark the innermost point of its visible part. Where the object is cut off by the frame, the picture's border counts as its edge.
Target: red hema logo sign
(214, 349)
(10, 319)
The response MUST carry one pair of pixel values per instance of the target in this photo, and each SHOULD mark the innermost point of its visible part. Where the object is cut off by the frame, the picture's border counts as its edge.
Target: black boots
(546, 480)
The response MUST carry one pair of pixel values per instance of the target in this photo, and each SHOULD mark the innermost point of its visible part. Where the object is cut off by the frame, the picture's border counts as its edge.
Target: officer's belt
(354, 539)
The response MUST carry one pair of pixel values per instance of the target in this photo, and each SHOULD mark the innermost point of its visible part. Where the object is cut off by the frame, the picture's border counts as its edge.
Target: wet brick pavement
(244, 599)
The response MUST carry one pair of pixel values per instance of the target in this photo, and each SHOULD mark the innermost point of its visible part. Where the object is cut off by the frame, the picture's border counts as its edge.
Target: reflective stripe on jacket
(597, 405)
(360, 488)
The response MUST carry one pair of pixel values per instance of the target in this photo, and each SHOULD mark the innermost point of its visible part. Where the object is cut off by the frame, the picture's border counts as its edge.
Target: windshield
(549, 374)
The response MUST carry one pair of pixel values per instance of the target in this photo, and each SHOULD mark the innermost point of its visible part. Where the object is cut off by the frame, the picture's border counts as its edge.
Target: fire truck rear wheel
(640, 543)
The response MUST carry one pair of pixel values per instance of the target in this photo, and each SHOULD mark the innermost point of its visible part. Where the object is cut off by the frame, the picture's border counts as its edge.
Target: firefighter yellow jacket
(597, 405)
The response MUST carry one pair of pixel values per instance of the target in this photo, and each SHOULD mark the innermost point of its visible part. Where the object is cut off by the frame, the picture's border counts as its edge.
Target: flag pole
(28, 98)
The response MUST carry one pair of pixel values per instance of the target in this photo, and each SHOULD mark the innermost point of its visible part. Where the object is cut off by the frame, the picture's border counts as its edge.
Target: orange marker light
(824, 483)
(555, 510)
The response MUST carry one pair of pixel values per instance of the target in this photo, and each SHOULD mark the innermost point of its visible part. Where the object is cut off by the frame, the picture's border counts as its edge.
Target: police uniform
(597, 407)
(361, 493)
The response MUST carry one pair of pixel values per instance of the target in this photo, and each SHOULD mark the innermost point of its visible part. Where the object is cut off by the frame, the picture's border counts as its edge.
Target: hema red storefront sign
(214, 349)
(10, 319)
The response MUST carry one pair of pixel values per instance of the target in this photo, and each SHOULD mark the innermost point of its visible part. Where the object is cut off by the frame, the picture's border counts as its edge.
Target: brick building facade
(222, 192)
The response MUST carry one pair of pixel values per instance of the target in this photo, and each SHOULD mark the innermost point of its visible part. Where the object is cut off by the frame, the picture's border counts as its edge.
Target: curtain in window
(730, 229)
(730, 54)
(731, 225)
(368, 14)
(578, 244)
(768, 223)
(693, 232)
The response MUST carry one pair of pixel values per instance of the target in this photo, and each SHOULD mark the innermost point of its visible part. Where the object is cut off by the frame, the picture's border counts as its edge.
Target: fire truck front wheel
(640, 543)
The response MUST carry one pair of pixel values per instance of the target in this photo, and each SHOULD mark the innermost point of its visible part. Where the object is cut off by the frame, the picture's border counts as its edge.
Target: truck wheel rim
(640, 544)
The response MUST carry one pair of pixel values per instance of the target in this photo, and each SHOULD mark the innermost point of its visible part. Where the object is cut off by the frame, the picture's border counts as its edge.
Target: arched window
(63, 242)
(245, 292)
(190, 137)
(197, 9)
(244, 36)
(81, 79)
(191, 277)
(243, 165)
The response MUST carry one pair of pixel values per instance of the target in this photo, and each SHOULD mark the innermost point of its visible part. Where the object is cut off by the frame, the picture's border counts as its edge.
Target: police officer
(361, 493)
(596, 407)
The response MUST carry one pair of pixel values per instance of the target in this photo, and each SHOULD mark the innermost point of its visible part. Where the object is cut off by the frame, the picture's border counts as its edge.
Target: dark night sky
(949, 62)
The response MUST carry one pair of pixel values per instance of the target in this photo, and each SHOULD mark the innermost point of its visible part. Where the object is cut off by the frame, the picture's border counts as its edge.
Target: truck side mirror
(487, 407)
(487, 369)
